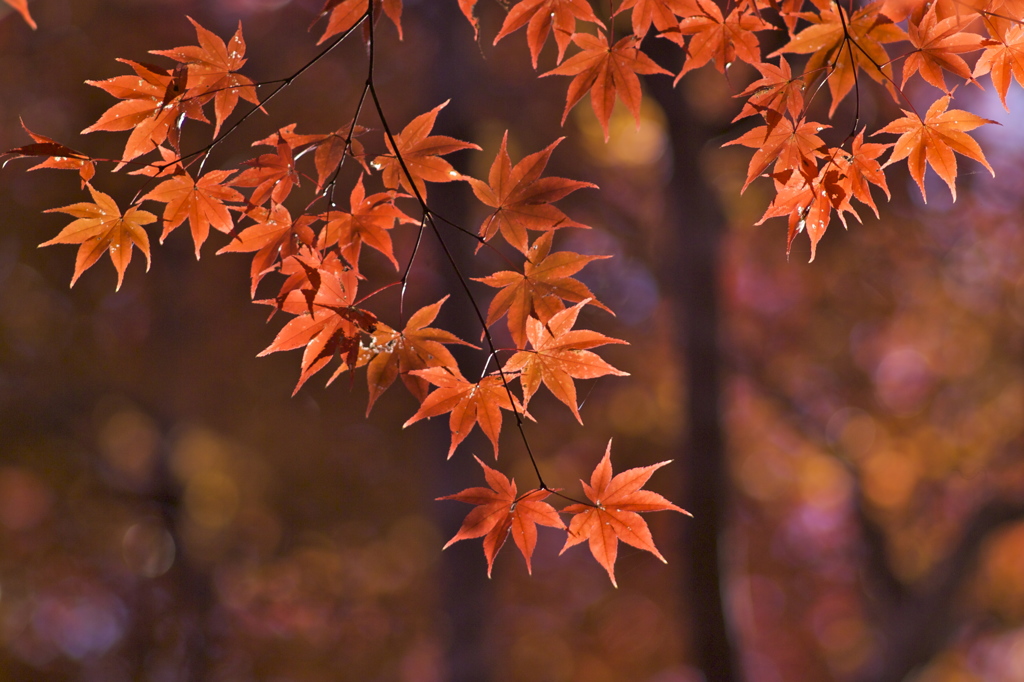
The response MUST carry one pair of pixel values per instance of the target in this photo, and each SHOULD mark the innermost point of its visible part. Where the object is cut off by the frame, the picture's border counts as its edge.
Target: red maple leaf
(540, 16)
(540, 289)
(559, 356)
(604, 71)
(422, 154)
(934, 140)
(499, 511)
(521, 198)
(58, 156)
(211, 68)
(614, 514)
(100, 228)
(469, 403)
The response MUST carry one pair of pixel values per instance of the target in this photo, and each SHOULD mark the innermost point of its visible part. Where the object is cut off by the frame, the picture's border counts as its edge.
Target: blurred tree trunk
(689, 276)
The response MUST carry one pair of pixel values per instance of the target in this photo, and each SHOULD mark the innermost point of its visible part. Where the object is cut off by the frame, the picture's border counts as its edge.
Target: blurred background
(847, 433)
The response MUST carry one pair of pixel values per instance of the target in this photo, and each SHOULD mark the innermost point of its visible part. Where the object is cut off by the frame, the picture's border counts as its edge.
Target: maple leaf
(152, 107)
(271, 175)
(540, 16)
(808, 201)
(662, 13)
(368, 223)
(776, 94)
(347, 13)
(861, 168)
(937, 46)
(501, 510)
(201, 202)
(559, 356)
(422, 153)
(934, 140)
(469, 403)
(604, 71)
(21, 6)
(101, 227)
(57, 155)
(392, 354)
(334, 326)
(211, 66)
(540, 289)
(718, 37)
(839, 44)
(332, 150)
(615, 513)
(1003, 57)
(274, 236)
(788, 145)
(521, 198)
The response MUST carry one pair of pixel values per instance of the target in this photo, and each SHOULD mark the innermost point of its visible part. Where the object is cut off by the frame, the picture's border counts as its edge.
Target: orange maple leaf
(368, 223)
(1003, 57)
(937, 46)
(841, 44)
(499, 511)
(272, 175)
(521, 198)
(775, 95)
(422, 153)
(540, 289)
(718, 37)
(614, 516)
(152, 106)
(559, 356)
(604, 71)
(540, 16)
(332, 150)
(808, 202)
(861, 167)
(101, 227)
(934, 140)
(331, 326)
(274, 236)
(201, 202)
(469, 403)
(344, 14)
(662, 13)
(787, 145)
(391, 354)
(211, 68)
